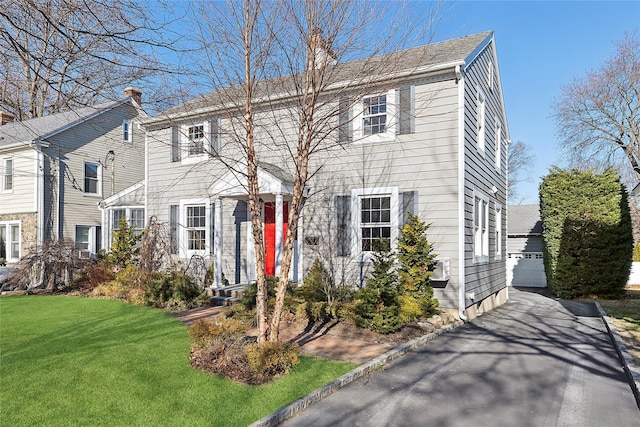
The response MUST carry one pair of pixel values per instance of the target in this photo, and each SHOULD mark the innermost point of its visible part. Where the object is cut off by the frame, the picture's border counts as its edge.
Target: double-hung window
(7, 175)
(10, 241)
(498, 139)
(126, 131)
(498, 221)
(481, 227)
(375, 218)
(133, 216)
(196, 140)
(196, 228)
(480, 120)
(374, 115)
(92, 178)
(375, 222)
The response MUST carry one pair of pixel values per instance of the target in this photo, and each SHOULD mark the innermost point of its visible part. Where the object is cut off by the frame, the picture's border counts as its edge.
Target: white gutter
(461, 196)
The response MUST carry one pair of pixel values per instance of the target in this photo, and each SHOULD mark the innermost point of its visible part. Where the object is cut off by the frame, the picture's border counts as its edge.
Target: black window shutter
(173, 229)
(175, 144)
(343, 232)
(408, 201)
(345, 126)
(407, 109)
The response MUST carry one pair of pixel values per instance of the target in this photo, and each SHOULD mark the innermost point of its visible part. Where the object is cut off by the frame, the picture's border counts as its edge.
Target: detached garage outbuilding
(524, 247)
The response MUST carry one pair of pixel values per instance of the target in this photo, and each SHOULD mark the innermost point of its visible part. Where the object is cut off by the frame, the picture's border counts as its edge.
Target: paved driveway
(534, 361)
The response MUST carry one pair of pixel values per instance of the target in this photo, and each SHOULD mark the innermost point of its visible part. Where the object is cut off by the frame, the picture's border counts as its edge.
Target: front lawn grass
(625, 314)
(69, 361)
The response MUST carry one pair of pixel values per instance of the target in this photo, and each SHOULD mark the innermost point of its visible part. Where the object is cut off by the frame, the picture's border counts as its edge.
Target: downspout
(461, 196)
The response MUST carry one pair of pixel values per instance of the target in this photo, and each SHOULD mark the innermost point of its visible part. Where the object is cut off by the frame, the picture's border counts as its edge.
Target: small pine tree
(416, 258)
(124, 246)
(377, 307)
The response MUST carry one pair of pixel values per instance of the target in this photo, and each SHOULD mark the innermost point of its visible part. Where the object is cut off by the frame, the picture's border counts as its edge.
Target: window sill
(484, 259)
(190, 160)
(96, 195)
(377, 138)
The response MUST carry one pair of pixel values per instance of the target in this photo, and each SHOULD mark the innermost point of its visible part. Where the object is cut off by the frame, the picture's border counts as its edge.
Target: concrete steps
(227, 295)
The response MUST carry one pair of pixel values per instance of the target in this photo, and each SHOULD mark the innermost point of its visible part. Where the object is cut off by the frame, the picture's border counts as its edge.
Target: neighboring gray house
(428, 137)
(55, 169)
(524, 247)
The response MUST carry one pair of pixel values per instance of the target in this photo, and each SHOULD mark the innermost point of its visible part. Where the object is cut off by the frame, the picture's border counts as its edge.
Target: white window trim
(490, 75)
(93, 237)
(481, 120)
(481, 235)
(356, 194)
(187, 159)
(498, 228)
(183, 248)
(4, 174)
(8, 242)
(498, 143)
(392, 119)
(99, 185)
(113, 226)
(129, 125)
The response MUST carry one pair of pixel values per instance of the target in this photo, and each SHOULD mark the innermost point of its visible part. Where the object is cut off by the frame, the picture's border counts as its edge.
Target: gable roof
(428, 58)
(40, 128)
(524, 220)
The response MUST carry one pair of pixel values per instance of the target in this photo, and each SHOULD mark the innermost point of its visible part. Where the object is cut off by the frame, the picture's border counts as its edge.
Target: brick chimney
(6, 118)
(135, 93)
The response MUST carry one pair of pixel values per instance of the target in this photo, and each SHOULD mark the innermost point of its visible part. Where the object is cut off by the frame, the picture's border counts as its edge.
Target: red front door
(270, 234)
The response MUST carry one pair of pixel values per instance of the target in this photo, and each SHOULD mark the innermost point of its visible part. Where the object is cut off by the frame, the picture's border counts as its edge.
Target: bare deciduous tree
(63, 54)
(289, 59)
(520, 159)
(598, 114)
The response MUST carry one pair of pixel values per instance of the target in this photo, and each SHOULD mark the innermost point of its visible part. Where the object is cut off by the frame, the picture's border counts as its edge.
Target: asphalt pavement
(535, 361)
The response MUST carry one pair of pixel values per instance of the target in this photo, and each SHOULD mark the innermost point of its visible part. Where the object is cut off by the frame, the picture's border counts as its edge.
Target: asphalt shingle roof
(524, 220)
(28, 130)
(434, 54)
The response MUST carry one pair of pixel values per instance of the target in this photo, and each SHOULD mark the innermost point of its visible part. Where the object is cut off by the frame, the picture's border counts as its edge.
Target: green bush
(174, 288)
(128, 285)
(587, 234)
(376, 305)
(317, 285)
(124, 247)
(249, 296)
(317, 311)
(416, 259)
(210, 332)
(272, 358)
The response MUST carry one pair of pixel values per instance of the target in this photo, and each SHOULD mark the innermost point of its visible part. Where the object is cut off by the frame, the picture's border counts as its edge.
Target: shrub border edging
(301, 404)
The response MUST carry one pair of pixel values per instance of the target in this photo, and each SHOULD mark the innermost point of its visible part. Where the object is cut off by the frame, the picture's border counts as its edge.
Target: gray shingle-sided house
(55, 169)
(427, 137)
(525, 266)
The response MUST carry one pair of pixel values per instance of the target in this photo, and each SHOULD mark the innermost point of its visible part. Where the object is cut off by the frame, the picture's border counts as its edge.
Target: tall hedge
(587, 235)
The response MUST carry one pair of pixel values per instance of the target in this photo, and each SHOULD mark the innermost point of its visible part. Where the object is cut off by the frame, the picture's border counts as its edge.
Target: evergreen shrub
(587, 234)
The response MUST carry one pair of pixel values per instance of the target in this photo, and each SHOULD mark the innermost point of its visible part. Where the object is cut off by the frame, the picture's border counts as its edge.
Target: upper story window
(92, 179)
(480, 120)
(374, 118)
(374, 115)
(481, 227)
(126, 131)
(490, 76)
(7, 175)
(196, 140)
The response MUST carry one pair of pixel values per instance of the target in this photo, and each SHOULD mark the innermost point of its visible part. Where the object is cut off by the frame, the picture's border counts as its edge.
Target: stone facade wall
(28, 229)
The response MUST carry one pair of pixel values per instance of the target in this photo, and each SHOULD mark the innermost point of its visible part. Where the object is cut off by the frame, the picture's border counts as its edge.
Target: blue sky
(541, 46)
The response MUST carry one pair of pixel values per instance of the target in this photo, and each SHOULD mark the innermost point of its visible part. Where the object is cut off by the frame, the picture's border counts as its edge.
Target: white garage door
(526, 269)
